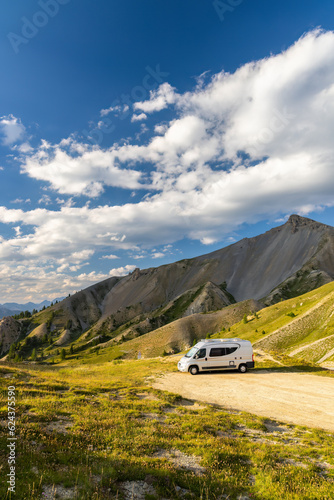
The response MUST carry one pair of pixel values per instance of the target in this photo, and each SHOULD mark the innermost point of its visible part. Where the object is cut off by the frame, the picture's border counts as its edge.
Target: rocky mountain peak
(135, 274)
(297, 221)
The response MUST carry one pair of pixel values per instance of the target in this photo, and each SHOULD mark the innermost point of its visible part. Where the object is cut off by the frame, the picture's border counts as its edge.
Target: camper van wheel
(242, 368)
(193, 370)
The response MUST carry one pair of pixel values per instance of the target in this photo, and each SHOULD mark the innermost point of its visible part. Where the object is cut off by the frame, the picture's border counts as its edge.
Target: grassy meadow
(100, 431)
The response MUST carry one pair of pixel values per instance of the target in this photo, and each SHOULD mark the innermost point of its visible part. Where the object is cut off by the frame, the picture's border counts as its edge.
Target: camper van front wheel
(242, 368)
(193, 370)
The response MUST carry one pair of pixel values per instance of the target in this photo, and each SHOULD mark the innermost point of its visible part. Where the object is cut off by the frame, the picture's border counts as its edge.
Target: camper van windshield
(192, 351)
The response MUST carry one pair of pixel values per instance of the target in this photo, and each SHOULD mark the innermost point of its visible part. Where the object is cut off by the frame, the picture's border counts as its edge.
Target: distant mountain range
(280, 264)
(10, 308)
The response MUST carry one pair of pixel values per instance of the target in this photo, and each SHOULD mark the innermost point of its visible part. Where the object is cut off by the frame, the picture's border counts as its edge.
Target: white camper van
(218, 354)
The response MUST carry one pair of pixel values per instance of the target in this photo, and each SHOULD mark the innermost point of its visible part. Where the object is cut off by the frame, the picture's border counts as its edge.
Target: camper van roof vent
(222, 340)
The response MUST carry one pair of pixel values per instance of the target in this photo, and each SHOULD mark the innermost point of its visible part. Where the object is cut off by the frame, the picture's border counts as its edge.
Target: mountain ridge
(283, 262)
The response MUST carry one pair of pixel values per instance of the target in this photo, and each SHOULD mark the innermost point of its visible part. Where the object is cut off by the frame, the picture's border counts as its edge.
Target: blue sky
(133, 134)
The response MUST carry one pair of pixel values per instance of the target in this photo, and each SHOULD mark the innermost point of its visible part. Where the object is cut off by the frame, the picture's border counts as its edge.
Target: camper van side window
(217, 351)
(229, 350)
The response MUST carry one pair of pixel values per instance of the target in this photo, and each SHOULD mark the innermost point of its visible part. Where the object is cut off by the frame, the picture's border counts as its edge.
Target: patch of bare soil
(181, 460)
(136, 490)
(147, 396)
(274, 434)
(54, 492)
(61, 426)
(65, 337)
(153, 416)
(295, 398)
(191, 405)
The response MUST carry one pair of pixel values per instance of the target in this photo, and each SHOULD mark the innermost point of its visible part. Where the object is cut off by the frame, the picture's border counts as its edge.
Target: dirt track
(299, 399)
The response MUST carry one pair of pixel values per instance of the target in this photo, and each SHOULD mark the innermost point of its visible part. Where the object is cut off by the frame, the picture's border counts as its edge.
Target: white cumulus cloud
(138, 118)
(12, 130)
(79, 169)
(245, 146)
(159, 99)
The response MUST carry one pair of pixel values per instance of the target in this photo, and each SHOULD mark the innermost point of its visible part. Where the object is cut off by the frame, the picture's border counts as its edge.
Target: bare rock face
(211, 298)
(9, 333)
(252, 268)
(284, 262)
(84, 308)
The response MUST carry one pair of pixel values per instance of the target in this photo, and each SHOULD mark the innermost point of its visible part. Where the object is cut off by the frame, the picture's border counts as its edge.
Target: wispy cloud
(157, 255)
(45, 200)
(114, 109)
(109, 257)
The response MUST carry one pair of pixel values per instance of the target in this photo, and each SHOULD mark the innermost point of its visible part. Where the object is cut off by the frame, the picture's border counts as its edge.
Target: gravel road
(294, 398)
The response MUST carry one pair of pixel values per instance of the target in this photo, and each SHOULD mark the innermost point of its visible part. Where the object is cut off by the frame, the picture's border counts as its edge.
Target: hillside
(282, 263)
(302, 327)
(182, 333)
(250, 269)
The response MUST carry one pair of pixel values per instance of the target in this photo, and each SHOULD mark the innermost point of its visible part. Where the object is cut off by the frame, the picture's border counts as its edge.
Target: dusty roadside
(295, 398)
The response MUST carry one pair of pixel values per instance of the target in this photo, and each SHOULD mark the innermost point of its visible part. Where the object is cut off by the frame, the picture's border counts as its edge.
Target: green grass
(116, 426)
(286, 364)
(294, 323)
(93, 421)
